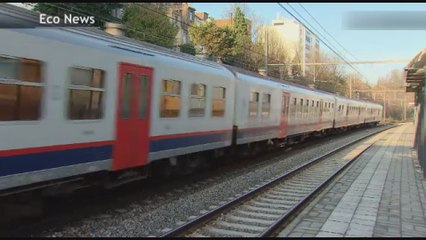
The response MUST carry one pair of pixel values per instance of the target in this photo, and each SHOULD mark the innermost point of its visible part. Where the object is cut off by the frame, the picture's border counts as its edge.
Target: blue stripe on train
(181, 142)
(52, 159)
(254, 132)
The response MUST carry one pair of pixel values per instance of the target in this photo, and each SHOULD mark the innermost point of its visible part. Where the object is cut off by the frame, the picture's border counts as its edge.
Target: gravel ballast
(154, 215)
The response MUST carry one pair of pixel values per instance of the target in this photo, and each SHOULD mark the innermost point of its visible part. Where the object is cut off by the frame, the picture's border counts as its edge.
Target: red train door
(284, 114)
(133, 114)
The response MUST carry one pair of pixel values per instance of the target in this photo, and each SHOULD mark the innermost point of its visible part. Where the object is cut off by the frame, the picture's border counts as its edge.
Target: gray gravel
(154, 217)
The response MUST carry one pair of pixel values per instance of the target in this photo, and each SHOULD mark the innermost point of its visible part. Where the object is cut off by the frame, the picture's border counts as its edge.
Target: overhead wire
(319, 24)
(337, 54)
(161, 37)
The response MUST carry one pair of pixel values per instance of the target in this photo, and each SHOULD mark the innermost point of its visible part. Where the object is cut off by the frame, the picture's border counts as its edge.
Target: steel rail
(212, 214)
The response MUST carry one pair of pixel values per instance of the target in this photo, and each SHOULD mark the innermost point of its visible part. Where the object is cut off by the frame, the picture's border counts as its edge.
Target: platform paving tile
(381, 195)
(328, 234)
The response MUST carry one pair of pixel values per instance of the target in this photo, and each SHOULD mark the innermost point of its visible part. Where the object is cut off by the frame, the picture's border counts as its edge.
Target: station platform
(382, 194)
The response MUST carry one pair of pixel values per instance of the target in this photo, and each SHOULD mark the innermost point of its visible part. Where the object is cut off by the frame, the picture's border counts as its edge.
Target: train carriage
(353, 113)
(79, 101)
(373, 113)
(94, 101)
(258, 107)
(340, 112)
(310, 111)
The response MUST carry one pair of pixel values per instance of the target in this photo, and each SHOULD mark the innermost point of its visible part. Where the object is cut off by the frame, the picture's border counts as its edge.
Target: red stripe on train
(258, 128)
(188, 134)
(5, 153)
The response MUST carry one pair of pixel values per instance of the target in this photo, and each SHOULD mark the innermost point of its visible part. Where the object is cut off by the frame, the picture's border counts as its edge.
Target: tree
(330, 78)
(216, 41)
(357, 84)
(241, 32)
(101, 11)
(188, 48)
(396, 96)
(149, 22)
(279, 52)
(241, 55)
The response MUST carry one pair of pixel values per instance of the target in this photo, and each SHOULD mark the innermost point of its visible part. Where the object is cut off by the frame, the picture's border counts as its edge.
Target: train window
(284, 107)
(266, 105)
(317, 103)
(254, 104)
(301, 102)
(170, 99)
(143, 96)
(20, 89)
(85, 93)
(197, 103)
(218, 102)
(306, 110)
(126, 94)
(293, 109)
(313, 103)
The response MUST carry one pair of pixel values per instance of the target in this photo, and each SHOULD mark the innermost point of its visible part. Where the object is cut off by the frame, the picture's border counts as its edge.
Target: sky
(362, 45)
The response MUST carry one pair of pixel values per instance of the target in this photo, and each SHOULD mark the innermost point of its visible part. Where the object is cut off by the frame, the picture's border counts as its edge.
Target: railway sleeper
(260, 222)
(218, 232)
(238, 226)
(285, 202)
(261, 209)
(249, 214)
(269, 205)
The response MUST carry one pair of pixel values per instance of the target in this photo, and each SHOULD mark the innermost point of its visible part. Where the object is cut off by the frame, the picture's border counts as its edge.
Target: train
(80, 105)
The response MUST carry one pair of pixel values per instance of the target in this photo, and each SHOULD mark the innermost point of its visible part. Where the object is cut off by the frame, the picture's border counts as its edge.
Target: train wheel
(162, 169)
(189, 164)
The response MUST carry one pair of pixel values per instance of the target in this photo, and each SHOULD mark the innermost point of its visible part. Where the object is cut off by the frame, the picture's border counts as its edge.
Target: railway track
(263, 211)
(61, 212)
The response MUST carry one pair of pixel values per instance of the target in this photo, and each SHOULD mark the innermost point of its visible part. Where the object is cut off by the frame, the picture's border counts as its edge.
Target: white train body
(146, 104)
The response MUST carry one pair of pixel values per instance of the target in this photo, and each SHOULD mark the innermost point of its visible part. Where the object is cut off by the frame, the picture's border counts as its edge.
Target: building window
(218, 102)
(170, 99)
(254, 104)
(86, 93)
(191, 15)
(20, 89)
(308, 39)
(266, 105)
(197, 102)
